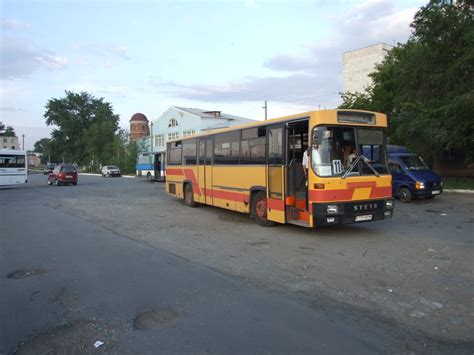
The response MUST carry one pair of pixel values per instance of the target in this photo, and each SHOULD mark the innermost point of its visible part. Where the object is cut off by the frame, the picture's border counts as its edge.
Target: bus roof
(13, 151)
(271, 121)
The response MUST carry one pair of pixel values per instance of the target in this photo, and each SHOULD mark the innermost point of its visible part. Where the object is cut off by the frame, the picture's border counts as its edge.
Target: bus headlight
(420, 185)
(388, 204)
(332, 209)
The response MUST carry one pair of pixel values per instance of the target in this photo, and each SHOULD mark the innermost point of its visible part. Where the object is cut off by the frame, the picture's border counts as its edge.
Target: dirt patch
(67, 298)
(236, 218)
(259, 243)
(23, 274)
(77, 337)
(151, 319)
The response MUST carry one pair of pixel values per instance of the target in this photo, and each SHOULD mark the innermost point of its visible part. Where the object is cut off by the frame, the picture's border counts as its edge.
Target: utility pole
(265, 107)
(23, 144)
(151, 136)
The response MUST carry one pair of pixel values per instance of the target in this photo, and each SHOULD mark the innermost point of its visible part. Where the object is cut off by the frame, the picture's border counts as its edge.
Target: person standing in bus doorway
(306, 164)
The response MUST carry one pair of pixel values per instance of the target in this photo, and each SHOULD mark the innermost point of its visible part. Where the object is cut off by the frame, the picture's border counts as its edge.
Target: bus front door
(205, 170)
(276, 174)
(157, 166)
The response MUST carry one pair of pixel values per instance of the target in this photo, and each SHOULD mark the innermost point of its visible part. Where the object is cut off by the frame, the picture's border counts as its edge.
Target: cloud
(13, 24)
(317, 71)
(121, 51)
(105, 52)
(11, 109)
(20, 58)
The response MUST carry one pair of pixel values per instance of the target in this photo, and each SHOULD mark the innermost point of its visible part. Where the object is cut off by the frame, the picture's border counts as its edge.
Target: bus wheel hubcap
(262, 209)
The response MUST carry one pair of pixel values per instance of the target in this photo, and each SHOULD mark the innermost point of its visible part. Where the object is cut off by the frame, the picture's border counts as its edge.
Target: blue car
(411, 177)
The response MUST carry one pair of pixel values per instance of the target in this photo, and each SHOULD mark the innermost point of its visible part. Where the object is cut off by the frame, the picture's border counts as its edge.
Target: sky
(145, 56)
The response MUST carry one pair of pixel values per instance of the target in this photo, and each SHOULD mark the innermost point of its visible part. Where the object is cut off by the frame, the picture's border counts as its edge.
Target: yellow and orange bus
(317, 168)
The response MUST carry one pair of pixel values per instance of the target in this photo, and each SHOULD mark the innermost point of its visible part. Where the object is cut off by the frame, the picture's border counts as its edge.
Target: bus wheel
(188, 196)
(259, 209)
(148, 177)
(404, 194)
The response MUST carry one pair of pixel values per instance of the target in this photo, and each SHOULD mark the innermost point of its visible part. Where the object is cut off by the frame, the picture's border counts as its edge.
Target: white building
(179, 122)
(9, 142)
(359, 63)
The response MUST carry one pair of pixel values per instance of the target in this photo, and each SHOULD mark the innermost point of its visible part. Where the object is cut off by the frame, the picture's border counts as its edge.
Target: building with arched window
(177, 122)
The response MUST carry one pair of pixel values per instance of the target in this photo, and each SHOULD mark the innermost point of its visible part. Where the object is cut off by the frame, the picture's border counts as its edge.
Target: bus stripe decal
(379, 192)
(274, 204)
(331, 195)
(189, 174)
(227, 195)
(170, 171)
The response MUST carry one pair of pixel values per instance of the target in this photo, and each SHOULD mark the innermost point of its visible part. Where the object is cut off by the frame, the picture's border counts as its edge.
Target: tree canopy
(426, 86)
(7, 131)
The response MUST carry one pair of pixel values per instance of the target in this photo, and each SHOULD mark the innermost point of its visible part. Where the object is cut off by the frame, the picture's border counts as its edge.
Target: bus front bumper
(326, 214)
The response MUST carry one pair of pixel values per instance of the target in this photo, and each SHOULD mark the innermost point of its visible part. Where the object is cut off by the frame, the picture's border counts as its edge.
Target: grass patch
(458, 183)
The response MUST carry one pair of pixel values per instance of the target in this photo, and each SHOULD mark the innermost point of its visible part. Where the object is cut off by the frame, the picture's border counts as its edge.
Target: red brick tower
(139, 127)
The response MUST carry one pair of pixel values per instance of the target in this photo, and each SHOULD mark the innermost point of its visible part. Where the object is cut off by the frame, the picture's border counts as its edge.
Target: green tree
(9, 132)
(86, 128)
(426, 86)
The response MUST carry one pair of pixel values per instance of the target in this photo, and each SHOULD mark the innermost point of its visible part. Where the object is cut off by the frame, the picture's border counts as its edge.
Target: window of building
(189, 132)
(174, 153)
(173, 123)
(252, 146)
(173, 135)
(159, 140)
(226, 148)
(189, 152)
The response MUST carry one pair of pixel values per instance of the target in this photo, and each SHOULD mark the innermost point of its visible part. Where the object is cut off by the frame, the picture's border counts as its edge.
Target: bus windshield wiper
(366, 161)
(355, 162)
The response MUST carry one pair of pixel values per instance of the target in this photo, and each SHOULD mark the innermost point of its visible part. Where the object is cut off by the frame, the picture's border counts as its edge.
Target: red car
(63, 174)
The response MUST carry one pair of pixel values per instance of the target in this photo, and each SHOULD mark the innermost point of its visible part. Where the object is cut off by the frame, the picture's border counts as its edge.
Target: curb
(124, 176)
(460, 191)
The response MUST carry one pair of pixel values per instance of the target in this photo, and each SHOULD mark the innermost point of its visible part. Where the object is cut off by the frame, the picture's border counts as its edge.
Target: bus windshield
(335, 148)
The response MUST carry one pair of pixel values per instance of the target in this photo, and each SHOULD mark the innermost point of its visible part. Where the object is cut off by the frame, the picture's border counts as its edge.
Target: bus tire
(148, 177)
(259, 209)
(404, 194)
(188, 196)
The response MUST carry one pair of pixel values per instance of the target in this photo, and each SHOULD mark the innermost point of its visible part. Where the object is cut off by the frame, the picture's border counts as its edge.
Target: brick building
(139, 127)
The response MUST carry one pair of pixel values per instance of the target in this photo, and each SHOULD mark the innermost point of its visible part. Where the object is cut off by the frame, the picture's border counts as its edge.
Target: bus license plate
(365, 217)
(68, 177)
(436, 192)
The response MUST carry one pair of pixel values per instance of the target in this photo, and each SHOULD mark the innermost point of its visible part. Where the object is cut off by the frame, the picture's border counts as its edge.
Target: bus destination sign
(355, 117)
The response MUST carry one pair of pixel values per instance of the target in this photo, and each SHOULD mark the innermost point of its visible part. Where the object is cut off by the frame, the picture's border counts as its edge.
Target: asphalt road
(120, 262)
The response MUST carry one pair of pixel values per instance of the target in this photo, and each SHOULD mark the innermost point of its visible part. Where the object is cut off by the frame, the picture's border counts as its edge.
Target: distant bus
(260, 169)
(13, 167)
(151, 165)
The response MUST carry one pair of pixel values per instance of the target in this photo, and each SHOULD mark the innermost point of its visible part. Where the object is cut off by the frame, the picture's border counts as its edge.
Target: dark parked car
(48, 168)
(411, 177)
(63, 174)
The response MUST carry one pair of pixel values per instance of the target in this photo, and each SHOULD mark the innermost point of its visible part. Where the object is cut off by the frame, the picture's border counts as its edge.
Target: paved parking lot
(409, 279)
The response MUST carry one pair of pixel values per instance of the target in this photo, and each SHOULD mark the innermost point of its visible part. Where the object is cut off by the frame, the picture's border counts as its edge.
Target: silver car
(110, 170)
